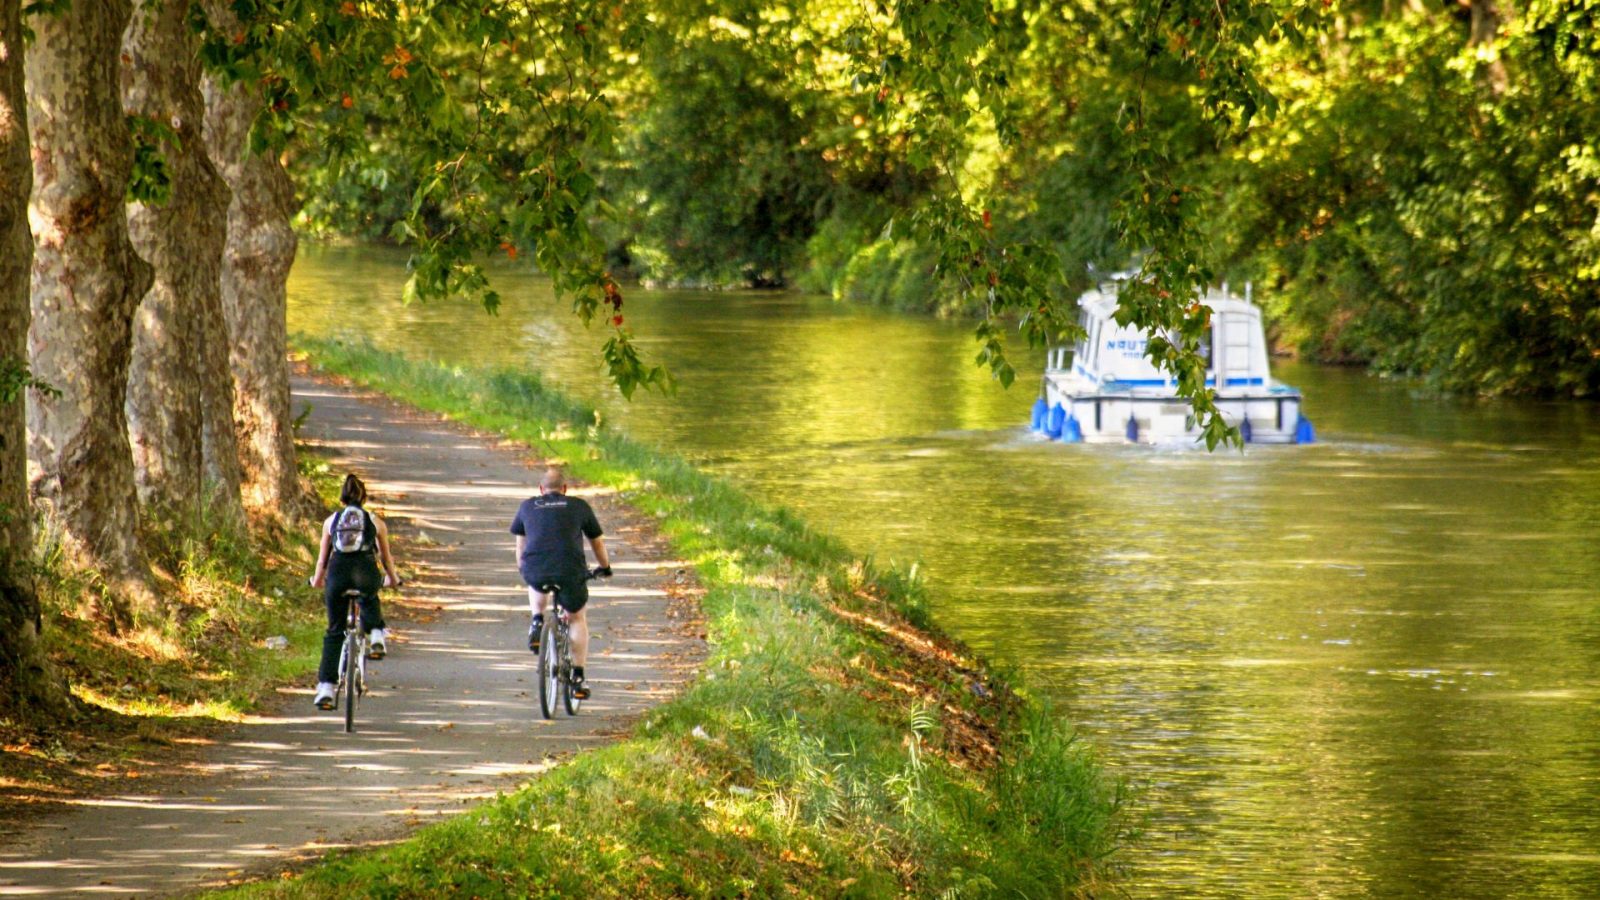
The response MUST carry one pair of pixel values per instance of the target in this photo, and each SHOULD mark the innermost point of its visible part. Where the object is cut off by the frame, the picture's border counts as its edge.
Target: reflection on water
(1364, 668)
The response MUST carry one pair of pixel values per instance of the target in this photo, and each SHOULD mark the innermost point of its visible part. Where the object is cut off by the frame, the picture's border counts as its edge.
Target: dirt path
(454, 716)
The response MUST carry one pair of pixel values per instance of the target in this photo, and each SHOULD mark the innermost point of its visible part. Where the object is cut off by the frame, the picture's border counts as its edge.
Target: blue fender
(1304, 433)
(1040, 410)
(1133, 429)
(1246, 430)
(1052, 425)
(1072, 432)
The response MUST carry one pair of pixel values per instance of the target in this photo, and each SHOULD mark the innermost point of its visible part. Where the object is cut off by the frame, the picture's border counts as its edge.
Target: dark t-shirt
(555, 526)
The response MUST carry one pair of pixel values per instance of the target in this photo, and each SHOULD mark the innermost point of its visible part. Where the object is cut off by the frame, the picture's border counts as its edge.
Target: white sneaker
(324, 698)
(375, 645)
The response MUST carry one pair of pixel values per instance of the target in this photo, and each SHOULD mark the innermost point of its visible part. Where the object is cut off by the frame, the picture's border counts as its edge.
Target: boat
(1106, 390)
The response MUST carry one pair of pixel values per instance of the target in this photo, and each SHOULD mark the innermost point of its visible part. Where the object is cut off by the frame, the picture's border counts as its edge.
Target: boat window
(1205, 347)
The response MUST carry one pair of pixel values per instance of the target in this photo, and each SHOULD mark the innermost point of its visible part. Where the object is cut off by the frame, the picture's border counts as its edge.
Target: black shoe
(534, 632)
(580, 689)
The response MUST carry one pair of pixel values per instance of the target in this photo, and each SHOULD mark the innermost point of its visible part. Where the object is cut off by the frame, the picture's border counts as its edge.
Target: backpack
(350, 530)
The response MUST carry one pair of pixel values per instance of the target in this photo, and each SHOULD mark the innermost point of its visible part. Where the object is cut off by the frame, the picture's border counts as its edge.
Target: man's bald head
(553, 481)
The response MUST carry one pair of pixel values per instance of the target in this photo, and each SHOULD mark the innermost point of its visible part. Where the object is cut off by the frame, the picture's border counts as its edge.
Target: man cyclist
(550, 530)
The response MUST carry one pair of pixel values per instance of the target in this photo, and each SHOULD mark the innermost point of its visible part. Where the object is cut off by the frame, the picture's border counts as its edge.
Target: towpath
(454, 715)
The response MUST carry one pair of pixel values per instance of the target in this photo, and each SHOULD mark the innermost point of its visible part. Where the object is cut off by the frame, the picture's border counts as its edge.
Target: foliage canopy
(1418, 192)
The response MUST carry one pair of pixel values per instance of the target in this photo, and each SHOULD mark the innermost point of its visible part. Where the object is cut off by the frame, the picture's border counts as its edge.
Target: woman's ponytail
(354, 493)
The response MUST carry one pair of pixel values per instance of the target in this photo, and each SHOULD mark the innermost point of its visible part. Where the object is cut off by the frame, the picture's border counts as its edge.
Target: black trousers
(357, 572)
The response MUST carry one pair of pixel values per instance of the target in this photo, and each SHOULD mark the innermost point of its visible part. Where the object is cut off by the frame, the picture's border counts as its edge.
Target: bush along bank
(834, 745)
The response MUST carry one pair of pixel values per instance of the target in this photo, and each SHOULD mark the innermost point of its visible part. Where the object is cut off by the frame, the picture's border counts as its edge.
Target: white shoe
(375, 645)
(324, 698)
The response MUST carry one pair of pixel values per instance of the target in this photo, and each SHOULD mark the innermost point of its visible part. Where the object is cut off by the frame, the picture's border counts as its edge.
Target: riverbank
(835, 742)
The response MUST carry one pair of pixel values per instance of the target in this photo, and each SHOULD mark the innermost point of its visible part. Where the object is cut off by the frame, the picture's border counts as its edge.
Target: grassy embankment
(835, 744)
(148, 682)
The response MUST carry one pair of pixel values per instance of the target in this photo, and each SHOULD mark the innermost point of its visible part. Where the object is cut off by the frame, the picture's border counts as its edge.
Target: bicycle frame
(555, 651)
(352, 661)
(555, 658)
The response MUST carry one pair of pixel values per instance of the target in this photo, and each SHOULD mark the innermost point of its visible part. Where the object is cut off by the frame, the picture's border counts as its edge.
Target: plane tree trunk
(255, 271)
(27, 687)
(180, 395)
(86, 285)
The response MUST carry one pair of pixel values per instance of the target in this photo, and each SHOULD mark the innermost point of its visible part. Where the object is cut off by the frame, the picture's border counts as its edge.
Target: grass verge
(145, 691)
(835, 745)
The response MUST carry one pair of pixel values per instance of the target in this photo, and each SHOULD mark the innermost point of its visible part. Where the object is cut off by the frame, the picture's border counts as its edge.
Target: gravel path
(454, 715)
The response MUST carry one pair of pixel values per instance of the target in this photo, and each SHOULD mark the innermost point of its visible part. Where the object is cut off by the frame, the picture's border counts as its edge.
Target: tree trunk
(255, 271)
(87, 282)
(27, 687)
(177, 346)
(219, 443)
(1485, 24)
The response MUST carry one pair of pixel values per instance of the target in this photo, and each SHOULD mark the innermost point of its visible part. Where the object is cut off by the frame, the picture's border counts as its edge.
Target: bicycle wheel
(549, 671)
(352, 674)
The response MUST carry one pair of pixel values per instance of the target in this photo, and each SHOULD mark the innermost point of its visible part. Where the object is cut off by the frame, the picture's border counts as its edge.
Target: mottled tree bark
(180, 394)
(27, 687)
(260, 249)
(86, 282)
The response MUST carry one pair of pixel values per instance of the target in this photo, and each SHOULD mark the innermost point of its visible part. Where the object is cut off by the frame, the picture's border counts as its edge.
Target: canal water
(1364, 668)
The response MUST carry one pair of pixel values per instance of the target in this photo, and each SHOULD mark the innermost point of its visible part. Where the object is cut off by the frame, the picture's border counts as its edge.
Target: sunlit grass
(833, 745)
(158, 707)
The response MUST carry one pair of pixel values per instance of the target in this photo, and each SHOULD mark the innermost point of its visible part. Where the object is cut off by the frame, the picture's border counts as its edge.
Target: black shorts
(573, 594)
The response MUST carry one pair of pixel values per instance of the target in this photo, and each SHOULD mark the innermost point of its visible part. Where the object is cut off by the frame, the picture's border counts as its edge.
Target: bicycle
(352, 660)
(555, 654)
(353, 656)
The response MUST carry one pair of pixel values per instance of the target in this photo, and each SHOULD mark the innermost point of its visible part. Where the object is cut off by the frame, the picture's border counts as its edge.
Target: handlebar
(388, 584)
(551, 587)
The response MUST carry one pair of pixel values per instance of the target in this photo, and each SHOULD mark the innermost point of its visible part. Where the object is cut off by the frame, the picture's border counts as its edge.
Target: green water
(1364, 668)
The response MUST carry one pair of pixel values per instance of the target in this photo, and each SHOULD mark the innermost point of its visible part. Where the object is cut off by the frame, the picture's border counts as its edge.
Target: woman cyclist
(354, 542)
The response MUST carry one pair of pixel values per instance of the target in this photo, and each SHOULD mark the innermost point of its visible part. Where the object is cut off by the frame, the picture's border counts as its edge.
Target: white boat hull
(1107, 389)
(1103, 417)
